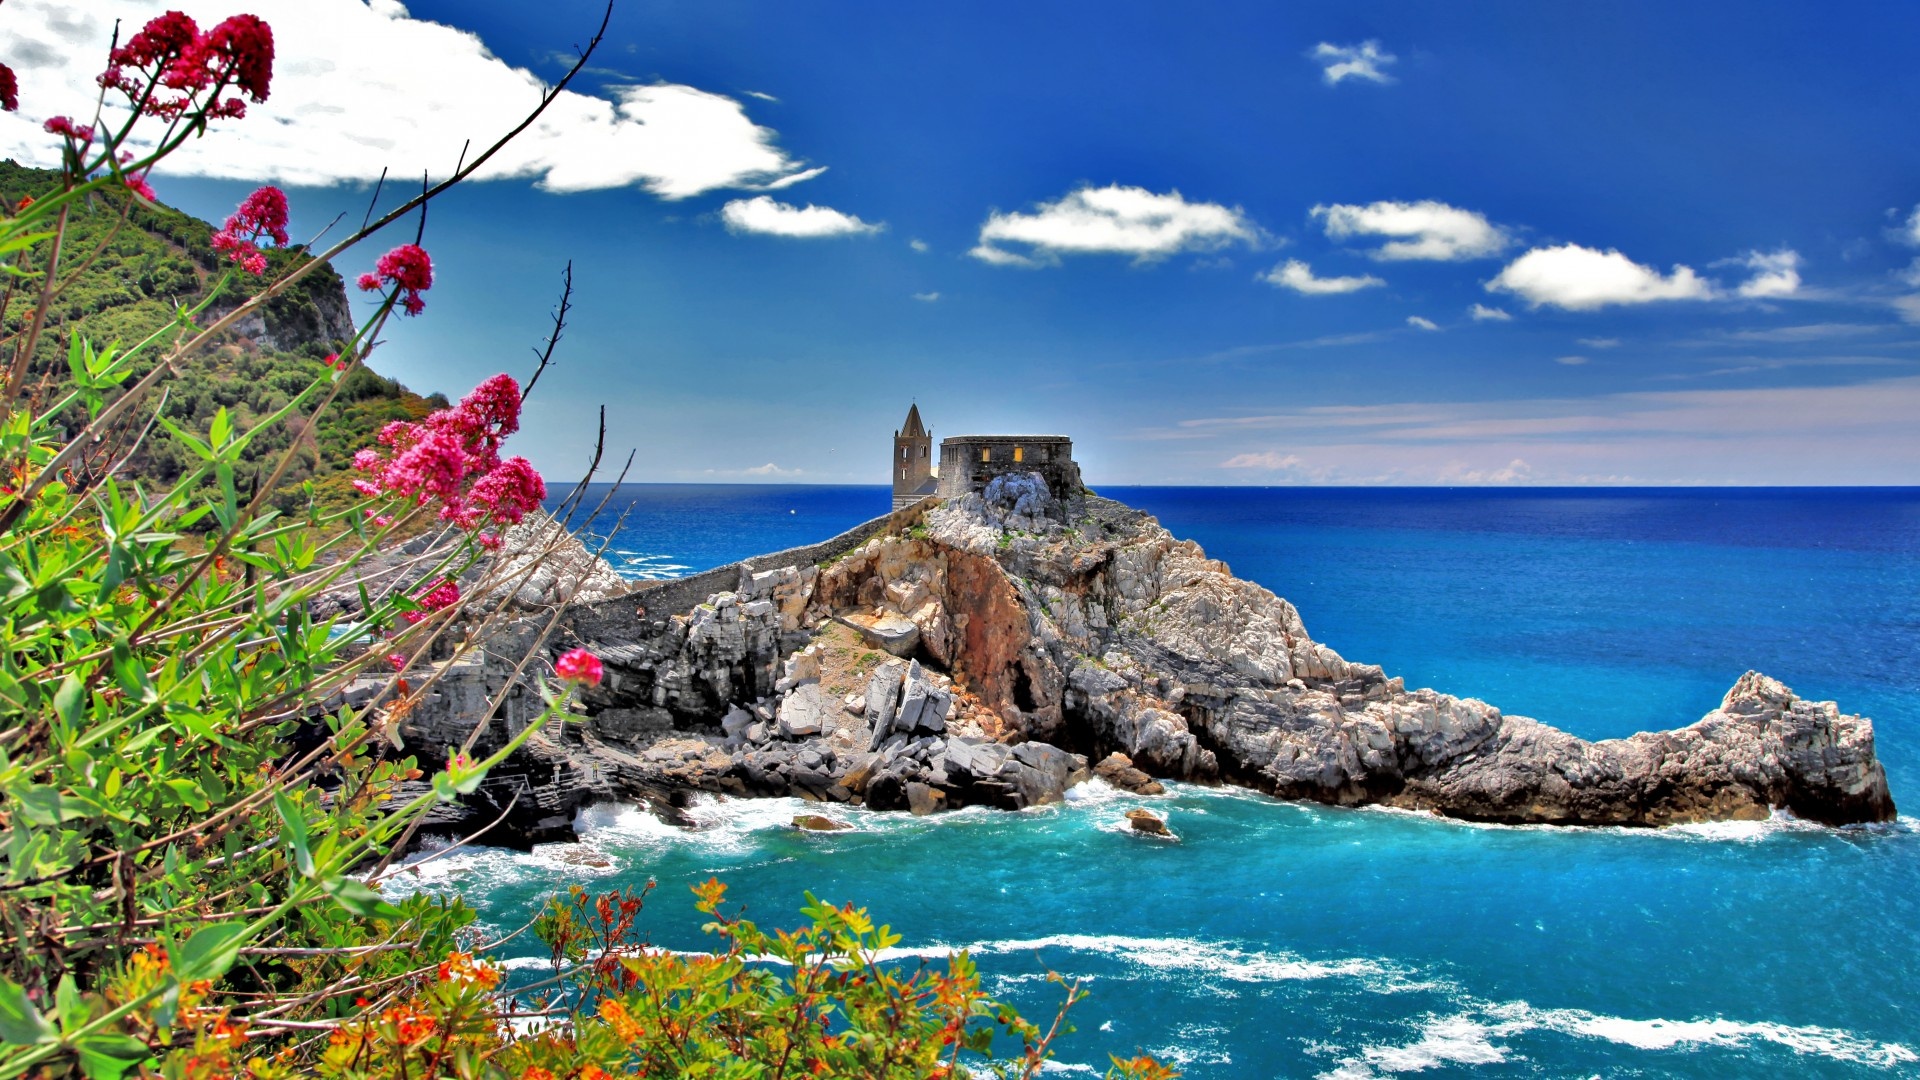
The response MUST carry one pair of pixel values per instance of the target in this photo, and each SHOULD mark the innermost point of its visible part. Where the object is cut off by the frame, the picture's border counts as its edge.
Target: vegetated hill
(124, 269)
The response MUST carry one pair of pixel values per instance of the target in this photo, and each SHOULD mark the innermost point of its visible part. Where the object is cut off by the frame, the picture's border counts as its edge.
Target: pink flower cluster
(406, 267)
(170, 53)
(441, 596)
(579, 666)
(78, 134)
(453, 457)
(9, 89)
(263, 216)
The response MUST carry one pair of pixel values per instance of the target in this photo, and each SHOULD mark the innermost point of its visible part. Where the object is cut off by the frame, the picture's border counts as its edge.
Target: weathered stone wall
(962, 472)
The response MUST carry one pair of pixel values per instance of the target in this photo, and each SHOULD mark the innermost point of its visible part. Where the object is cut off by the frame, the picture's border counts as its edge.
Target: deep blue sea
(1279, 940)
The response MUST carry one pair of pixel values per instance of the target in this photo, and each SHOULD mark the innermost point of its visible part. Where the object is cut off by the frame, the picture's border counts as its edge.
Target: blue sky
(1243, 244)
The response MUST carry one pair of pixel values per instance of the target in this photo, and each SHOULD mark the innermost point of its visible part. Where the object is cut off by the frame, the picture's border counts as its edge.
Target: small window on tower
(986, 454)
(1018, 455)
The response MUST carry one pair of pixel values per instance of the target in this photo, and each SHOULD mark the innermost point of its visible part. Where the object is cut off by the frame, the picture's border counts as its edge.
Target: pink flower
(171, 52)
(509, 491)
(333, 361)
(61, 125)
(579, 666)
(489, 540)
(398, 660)
(441, 596)
(9, 90)
(406, 267)
(242, 48)
(263, 216)
(139, 186)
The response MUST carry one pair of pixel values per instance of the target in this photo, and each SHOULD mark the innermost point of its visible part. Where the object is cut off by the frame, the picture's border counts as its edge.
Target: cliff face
(988, 649)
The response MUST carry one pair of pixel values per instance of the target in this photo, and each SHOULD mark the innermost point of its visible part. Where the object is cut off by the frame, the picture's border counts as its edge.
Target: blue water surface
(1286, 940)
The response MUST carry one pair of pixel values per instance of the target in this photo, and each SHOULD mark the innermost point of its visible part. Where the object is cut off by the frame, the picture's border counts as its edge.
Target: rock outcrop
(984, 650)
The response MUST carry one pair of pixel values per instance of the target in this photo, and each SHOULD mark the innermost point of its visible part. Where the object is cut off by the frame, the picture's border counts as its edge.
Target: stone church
(968, 462)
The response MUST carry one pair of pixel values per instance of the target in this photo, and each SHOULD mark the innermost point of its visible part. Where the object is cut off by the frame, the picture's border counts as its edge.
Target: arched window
(1018, 455)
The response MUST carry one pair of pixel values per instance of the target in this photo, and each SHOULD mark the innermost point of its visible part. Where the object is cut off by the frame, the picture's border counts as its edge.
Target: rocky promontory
(1000, 647)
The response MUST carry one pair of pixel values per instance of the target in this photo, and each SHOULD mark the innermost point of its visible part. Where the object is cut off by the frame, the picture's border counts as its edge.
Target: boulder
(923, 800)
(818, 823)
(1117, 769)
(805, 712)
(1148, 823)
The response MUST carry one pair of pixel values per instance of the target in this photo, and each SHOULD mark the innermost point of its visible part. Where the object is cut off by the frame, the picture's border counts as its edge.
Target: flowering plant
(196, 816)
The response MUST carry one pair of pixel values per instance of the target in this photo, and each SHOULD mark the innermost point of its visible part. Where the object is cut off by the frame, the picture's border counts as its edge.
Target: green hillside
(130, 276)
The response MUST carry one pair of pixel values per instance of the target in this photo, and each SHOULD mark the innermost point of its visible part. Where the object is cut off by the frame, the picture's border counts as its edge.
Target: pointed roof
(913, 429)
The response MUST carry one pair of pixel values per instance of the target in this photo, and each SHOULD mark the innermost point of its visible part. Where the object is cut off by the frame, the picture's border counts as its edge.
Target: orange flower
(620, 1020)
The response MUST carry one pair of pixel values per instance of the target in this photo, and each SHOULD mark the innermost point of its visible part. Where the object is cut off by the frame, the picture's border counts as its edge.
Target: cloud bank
(362, 86)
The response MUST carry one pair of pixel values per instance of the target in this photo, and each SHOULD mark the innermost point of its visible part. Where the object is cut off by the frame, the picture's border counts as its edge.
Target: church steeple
(912, 467)
(912, 429)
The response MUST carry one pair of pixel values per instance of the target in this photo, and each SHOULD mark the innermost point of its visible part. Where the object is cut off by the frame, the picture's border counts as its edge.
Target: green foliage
(129, 268)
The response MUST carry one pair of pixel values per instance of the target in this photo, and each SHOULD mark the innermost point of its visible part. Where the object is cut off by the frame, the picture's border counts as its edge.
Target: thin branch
(559, 328)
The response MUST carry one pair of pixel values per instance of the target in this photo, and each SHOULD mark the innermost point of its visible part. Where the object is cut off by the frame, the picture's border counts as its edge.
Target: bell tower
(913, 472)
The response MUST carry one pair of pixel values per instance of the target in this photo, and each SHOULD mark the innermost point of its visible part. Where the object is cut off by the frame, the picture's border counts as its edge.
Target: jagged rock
(889, 631)
(818, 823)
(1147, 822)
(805, 712)
(923, 800)
(1117, 769)
(1093, 629)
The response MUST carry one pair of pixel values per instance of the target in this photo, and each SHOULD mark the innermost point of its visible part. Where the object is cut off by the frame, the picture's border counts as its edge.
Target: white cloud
(1908, 307)
(1483, 313)
(1362, 61)
(1775, 274)
(918, 245)
(1584, 279)
(929, 297)
(1911, 275)
(1298, 276)
(1598, 342)
(1570, 361)
(761, 96)
(360, 85)
(762, 214)
(1516, 471)
(1269, 461)
(1912, 235)
(1419, 323)
(1421, 230)
(770, 469)
(1112, 220)
(792, 179)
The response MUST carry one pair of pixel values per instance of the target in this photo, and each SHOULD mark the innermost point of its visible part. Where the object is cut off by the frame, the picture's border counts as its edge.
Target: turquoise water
(1284, 940)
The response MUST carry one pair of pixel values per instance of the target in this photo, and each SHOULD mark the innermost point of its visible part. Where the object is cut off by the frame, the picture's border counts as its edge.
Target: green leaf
(20, 1023)
(68, 700)
(295, 832)
(357, 897)
(42, 804)
(107, 1055)
(209, 952)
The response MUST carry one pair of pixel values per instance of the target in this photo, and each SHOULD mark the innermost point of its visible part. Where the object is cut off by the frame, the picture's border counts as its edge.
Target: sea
(1279, 939)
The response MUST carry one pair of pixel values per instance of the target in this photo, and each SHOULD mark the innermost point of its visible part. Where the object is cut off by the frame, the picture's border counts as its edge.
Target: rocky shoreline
(999, 648)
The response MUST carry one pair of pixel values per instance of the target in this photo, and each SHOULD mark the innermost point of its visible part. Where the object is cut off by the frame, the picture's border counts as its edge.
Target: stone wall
(681, 595)
(963, 472)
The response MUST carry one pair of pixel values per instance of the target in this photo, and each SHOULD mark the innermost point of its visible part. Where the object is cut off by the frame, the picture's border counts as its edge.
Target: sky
(1313, 243)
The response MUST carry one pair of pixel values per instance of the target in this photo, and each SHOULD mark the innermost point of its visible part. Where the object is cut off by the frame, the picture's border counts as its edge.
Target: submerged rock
(818, 823)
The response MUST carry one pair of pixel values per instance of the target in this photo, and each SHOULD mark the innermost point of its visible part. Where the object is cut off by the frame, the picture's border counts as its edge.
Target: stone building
(913, 473)
(968, 462)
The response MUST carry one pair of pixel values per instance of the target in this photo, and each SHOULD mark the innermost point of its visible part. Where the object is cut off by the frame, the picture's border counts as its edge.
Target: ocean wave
(1167, 954)
(1469, 1038)
(1779, 823)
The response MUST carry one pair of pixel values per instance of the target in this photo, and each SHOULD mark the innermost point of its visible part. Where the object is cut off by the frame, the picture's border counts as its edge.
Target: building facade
(969, 462)
(913, 471)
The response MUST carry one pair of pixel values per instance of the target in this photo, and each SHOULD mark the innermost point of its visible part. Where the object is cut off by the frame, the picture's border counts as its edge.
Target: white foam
(1468, 1038)
(1780, 822)
(1164, 955)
